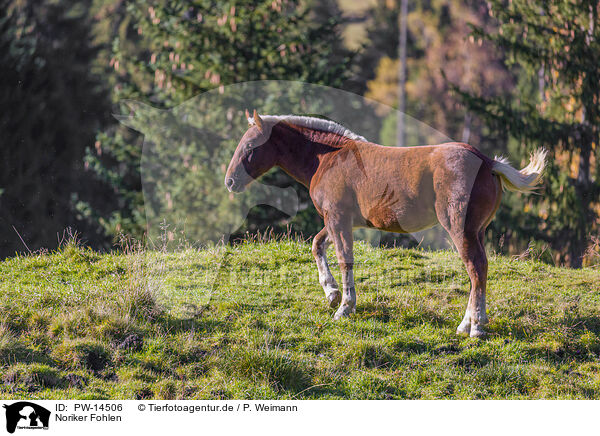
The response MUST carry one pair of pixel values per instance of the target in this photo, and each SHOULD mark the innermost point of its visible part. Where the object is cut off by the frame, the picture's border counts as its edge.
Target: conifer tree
(555, 47)
(52, 103)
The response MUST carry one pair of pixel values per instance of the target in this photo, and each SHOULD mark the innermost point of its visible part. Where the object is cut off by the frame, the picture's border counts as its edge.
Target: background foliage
(53, 100)
(505, 76)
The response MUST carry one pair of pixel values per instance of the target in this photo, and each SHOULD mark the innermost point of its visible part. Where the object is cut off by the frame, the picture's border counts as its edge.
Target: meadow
(250, 321)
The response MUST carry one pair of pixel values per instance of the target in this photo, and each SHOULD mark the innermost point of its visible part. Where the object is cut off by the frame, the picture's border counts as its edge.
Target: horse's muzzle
(232, 186)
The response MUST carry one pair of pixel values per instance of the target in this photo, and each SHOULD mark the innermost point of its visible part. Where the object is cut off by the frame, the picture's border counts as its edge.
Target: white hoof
(343, 312)
(477, 331)
(334, 299)
(464, 328)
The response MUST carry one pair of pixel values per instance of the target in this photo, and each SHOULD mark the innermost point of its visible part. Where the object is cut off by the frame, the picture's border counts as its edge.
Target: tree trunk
(466, 135)
(400, 126)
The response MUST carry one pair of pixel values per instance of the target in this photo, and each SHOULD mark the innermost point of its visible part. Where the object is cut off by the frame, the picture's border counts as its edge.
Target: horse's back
(399, 189)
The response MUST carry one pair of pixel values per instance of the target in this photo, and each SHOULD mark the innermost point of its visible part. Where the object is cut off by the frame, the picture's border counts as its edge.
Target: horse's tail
(525, 180)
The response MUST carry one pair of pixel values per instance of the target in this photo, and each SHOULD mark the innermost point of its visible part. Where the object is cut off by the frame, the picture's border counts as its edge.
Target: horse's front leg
(330, 286)
(339, 229)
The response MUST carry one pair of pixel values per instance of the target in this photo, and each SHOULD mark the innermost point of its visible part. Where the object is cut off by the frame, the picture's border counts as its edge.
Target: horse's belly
(419, 219)
(384, 218)
(407, 217)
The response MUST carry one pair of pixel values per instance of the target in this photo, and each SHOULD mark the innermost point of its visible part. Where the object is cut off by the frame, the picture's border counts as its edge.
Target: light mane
(311, 123)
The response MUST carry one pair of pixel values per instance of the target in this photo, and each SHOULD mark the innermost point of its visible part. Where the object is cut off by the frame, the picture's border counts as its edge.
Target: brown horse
(355, 183)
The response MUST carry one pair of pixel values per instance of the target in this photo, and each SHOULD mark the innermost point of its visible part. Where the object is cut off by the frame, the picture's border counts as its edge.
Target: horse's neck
(299, 151)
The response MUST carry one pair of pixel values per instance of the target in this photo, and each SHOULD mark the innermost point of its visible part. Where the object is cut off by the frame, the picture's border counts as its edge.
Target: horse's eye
(249, 146)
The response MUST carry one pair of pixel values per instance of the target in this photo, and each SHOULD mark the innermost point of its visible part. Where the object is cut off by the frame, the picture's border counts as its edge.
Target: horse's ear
(258, 120)
(248, 117)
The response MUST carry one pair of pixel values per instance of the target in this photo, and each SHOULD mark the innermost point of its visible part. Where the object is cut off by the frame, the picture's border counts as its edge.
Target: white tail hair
(525, 180)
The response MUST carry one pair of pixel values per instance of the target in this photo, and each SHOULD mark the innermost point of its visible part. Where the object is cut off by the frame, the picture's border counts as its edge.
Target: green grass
(78, 324)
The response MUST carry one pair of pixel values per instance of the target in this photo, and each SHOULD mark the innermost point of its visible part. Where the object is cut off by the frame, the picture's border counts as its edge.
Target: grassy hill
(149, 324)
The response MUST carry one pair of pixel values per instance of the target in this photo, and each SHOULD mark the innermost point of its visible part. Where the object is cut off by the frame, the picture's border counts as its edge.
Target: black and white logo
(26, 415)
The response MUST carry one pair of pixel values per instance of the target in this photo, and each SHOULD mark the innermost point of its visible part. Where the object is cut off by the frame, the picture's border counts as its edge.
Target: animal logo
(26, 415)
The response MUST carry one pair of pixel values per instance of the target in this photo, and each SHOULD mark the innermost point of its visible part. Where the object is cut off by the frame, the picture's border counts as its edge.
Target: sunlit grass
(251, 321)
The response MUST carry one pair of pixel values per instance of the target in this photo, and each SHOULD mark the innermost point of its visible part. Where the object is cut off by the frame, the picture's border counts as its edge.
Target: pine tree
(555, 46)
(53, 103)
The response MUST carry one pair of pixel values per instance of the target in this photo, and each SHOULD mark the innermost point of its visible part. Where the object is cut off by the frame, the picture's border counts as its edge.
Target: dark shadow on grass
(374, 310)
(174, 324)
(409, 319)
(22, 354)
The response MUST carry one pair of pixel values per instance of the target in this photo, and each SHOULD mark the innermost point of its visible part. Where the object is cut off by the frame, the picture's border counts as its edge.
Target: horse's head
(253, 156)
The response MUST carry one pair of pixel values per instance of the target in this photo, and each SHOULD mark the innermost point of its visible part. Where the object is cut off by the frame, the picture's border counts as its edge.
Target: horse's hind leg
(467, 196)
(466, 235)
(330, 286)
(472, 252)
(474, 257)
